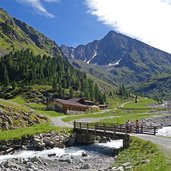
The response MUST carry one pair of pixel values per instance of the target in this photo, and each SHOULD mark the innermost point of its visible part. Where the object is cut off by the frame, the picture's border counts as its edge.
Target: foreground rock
(36, 142)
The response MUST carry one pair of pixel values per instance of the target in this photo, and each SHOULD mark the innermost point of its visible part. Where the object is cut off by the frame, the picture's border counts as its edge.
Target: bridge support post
(114, 129)
(84, 138)
(126, 141)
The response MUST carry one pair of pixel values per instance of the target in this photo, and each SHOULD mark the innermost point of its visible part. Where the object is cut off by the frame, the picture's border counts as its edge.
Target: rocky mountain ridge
(127, 60)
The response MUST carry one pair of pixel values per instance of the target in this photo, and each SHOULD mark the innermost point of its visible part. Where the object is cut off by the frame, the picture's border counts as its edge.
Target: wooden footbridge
(103, 128)
(113, 131)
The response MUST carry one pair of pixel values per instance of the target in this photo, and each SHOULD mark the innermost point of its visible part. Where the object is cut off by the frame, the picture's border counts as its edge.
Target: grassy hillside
(103, 86)
(157, 87)
(17, 35)
(143, 155)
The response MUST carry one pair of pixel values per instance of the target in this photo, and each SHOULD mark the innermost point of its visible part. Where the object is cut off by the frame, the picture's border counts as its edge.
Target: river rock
(65, 158)
(48, 143)
(51, 155)
(36, 159)
(114, 169)
(120, 168)
(127, 166)
(84, 154)
(86, 166)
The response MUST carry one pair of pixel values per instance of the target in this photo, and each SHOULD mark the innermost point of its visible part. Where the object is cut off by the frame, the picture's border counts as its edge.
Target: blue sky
(74, 22)
(70, 23)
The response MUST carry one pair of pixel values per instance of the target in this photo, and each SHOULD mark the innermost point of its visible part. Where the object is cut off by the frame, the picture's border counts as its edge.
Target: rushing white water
(165, 131)
(101, 148)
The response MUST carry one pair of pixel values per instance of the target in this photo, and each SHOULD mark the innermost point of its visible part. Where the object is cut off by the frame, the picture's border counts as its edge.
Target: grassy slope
(141, 151)
(104, 86)
(18, 133)
(157, 87)
(143, 102)
(37, 107)
(22, 36)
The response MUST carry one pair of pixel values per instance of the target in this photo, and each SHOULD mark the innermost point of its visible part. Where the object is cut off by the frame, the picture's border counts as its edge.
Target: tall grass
(36, 129)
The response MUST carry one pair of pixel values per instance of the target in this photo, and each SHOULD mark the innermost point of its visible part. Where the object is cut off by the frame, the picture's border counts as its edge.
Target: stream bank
(98, 156)
(55, 152)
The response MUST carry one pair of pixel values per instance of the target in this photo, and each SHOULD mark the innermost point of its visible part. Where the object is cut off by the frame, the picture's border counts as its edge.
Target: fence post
(130, 128)
(155, 130)
(141, 129)
(114, 129)
(74, 124)
(126, 129)
(104, 128)
(95, 127)
(87, 127)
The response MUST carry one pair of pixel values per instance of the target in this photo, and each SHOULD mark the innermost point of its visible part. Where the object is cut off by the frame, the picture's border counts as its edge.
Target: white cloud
(147, 20)
(37, 5)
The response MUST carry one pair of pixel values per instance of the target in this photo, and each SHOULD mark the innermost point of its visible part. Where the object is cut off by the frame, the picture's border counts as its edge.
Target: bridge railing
(115, 128)
(100, 127)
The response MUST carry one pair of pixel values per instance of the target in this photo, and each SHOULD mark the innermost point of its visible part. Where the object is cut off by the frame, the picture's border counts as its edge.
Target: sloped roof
(76, 99)
(69, 102)
(88, 101)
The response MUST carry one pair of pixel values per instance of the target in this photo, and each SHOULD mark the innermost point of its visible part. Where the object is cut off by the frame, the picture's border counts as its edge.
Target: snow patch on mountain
(95, 53)
(114, 64)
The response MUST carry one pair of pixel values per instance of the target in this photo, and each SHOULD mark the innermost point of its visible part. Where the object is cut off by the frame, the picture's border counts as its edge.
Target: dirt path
(57, 121)
(163, 142)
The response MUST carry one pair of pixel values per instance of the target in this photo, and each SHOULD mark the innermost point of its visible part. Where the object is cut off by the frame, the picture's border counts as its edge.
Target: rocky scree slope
(13, 116)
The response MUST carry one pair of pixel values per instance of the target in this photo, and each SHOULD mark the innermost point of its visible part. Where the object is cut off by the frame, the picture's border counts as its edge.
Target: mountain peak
(123, 57)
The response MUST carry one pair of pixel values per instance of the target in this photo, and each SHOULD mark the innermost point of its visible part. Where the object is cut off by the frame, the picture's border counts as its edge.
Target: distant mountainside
(125, 59)
(158, 87)
(17, 35)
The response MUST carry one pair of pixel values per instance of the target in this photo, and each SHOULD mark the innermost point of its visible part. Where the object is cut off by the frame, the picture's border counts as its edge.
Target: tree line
(24, 68)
